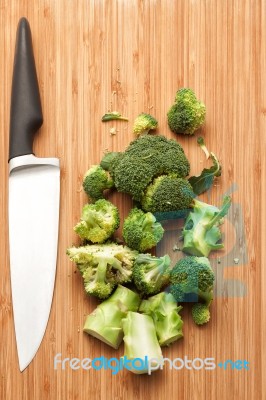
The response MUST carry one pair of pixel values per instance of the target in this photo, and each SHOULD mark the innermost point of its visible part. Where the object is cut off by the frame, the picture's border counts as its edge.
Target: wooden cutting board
(132, 56)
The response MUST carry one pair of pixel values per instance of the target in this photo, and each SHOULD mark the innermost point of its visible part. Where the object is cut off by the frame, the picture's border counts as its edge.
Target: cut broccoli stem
(141, 341)
(105, 322)
(164, 311)
(112, 116)
(202, 145)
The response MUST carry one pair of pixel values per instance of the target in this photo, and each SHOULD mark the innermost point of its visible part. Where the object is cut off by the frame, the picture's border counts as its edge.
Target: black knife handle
(26, 110)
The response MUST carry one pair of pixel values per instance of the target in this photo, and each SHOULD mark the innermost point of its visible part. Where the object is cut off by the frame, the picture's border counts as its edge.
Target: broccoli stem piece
(202, 145)
(110, 116)
(164, 311)
(105, 322)
(140, 340)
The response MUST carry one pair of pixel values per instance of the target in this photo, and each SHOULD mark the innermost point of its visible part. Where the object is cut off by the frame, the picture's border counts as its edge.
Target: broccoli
(141, 231)
(145, 158)
(200, 313)
(187, 114)
(105, 322)
(204, 181)
(201, 231)
(95, 181)
(98, 222)
(192, 279)
(141, 342)
(103, 266)
(202, 145)
(164, 311)
(112, 115)
(167, 193)
(144, 123)
(151, 273)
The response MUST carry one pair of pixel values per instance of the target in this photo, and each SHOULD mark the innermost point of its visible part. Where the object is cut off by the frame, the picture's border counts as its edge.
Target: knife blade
(34, 191)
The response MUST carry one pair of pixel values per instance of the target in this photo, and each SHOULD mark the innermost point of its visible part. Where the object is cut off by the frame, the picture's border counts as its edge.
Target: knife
(34, 186)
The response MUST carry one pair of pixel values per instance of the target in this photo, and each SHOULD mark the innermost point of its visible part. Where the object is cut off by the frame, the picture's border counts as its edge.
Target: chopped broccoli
(105, 322)
(141, 231)
(103, 266)
(112, 115)
(201, 231)
(145, 158)
(144, 123)
(151, 273)
(204, 181)
(202, 145)
(141, 342)
(200, 313)
(192, 279)
(95, 181)
(187, 114)
(167, 193)
(165, 314)
(98, 222)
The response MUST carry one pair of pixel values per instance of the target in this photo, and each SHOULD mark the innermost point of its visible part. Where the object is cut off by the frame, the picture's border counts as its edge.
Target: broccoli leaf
(204, 181)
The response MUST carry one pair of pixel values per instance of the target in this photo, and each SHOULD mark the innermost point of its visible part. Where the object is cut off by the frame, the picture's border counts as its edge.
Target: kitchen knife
(34, 185)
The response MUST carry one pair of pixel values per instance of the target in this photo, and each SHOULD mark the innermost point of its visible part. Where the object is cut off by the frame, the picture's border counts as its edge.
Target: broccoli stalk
(192, 279)
(141, 231)
(164, 311)
(202, 145)
(98, 221)
(113, 115)
(187, 114)
(141, 341)
(144, 123)
(96, 181)
(151, 273)
(103, 266)
(105, 322)
(201, 231)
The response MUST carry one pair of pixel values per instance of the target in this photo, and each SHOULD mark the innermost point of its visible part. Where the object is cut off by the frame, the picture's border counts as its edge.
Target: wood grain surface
(132, 56)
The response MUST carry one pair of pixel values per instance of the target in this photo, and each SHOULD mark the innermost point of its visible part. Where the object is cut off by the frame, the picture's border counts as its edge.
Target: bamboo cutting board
(132, 56)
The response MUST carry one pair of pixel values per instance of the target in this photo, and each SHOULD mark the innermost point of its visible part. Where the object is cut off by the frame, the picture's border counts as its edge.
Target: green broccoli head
(167, 193)
(151, 273)
(145, 158)
(103, 266)
(200, 313)
(98, 221)
(165, 314)
(96, 181)
(187, 114)
(201, 231)
(191, 279)
(144, 123)
(141, 231)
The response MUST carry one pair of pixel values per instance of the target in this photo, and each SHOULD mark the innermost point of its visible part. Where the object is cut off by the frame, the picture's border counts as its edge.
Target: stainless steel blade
(34, 187)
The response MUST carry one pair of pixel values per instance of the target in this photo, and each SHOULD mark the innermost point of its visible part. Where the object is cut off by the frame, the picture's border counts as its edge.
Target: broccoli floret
(187, 114)
(151, 273)
(98, 222)
(200, 313)
(95, 181)
(192, 279)
(103, 266)
(144, 123)
(167, 193)
(202, 145)
(105, 322)
(140, 342)
(112, 115)
(141, 231)
(165, 314)
(145, 158)
(201, 231)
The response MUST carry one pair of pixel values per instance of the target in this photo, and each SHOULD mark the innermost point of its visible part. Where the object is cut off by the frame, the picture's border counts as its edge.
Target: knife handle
(26, 111)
